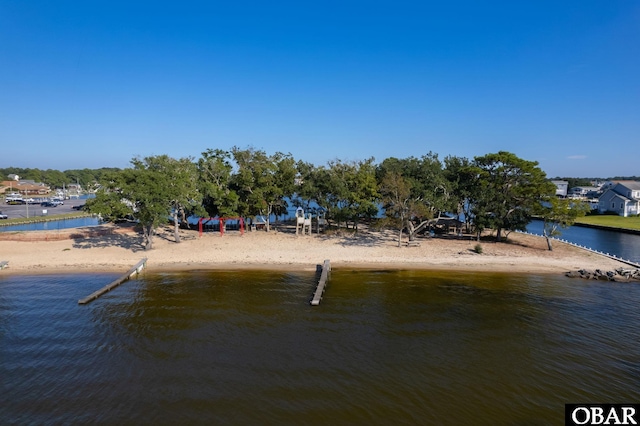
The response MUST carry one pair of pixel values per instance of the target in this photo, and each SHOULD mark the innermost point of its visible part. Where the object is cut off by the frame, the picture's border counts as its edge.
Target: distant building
(24, 187)
(584, 191)
(621, 197)
(562, 187)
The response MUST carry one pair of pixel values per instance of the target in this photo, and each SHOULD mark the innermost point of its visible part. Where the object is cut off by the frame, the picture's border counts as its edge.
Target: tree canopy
(506, 192)
(87, 178)
(429, 191)
(498, 191)
(262, 182)
(153, 190)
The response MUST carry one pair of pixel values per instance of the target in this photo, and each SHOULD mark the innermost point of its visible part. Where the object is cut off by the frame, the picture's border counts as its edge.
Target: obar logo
(601, 414)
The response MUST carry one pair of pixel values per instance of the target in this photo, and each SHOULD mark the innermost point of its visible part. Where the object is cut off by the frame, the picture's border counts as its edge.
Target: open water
(216, 347)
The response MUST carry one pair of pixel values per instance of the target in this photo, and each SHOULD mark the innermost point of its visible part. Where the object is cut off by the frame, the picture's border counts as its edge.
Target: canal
(625, 246)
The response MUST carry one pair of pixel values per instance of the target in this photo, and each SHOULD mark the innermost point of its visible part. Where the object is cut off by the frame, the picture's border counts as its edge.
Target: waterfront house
(622, 198)
(584, 191)
(562, 187)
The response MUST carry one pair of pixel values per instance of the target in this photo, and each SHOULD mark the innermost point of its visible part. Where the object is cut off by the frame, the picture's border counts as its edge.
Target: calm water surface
(52, 225)
(246, 348)
(626, 246)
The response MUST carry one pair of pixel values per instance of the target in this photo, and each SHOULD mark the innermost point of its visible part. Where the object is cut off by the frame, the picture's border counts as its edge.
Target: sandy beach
(117, 249)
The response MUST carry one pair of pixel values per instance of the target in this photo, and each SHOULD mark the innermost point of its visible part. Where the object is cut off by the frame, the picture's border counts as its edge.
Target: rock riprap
(621, 275)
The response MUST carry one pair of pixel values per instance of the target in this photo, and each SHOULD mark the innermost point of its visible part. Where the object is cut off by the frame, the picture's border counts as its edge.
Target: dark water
(382, 348)
(52, 225)
(625, 246)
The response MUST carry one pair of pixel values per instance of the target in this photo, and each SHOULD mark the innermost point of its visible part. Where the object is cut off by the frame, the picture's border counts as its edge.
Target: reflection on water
(246, 348)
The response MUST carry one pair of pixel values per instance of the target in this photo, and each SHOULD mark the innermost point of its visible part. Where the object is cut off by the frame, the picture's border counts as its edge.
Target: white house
(562, 186)
(622, 197)
(584, 191)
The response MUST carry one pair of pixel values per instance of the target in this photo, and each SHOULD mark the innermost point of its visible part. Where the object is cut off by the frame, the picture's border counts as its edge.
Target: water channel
(53, 225)
(625, 246)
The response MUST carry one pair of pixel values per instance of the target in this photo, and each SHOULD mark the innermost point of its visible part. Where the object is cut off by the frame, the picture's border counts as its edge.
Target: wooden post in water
(324, 277)
(133, 271)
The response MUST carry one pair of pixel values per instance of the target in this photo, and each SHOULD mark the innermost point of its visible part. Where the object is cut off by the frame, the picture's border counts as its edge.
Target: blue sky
(96, 83)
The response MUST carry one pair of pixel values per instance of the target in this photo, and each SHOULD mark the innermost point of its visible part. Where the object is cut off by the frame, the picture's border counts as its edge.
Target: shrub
(478, 249)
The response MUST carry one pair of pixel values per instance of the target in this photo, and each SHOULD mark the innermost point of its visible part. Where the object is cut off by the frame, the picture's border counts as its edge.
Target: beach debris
(620, 275)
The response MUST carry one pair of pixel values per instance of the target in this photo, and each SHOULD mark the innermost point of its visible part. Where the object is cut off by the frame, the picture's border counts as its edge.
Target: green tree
(461, 178)
(430, 191)
(86, 178)
(262, 182)
(396, 200)
(54, 178)
(509, 190)
(108, 202)
(315, 183)
(560, 213)
(215, 170)
(350, 190)
(307, 189)
(144, 188)
(181, 188)
(154, 189)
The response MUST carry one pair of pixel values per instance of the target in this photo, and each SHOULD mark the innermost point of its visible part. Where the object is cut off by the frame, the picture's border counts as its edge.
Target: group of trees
(58, 179)
(498, 191)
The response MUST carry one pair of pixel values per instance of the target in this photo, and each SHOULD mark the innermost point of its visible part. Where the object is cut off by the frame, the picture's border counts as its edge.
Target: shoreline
(114, 249)
(608, 228)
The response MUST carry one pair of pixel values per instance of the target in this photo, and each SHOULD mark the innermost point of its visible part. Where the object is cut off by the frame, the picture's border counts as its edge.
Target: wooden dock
(4, 264)
(324, 277)
(133, 271)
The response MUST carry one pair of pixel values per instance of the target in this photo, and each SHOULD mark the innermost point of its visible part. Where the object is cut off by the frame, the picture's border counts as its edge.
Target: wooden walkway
(133, 271)
(324, 277)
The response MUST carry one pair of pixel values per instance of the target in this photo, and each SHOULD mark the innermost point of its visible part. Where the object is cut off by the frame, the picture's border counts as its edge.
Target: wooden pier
(324, 277)
(133, 271)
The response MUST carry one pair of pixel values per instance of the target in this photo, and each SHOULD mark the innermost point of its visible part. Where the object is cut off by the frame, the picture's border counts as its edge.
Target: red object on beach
(221, 221)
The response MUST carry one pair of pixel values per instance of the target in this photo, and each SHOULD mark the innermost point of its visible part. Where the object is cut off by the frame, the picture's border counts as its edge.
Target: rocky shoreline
(620, 275)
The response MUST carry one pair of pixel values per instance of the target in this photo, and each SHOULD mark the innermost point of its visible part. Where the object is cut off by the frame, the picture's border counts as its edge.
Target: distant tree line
(497, 191)
(57, 179)
(573, 181)
(87, 178)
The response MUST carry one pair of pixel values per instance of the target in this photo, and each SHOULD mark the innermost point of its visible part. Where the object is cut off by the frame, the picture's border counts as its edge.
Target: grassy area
(612, 221)
(23, 220)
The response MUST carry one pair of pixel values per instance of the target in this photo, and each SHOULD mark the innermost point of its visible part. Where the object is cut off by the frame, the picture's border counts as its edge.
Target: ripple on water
(246, 347)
